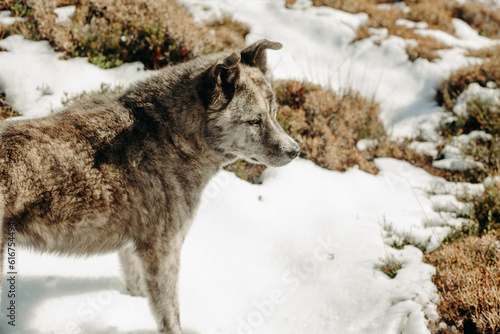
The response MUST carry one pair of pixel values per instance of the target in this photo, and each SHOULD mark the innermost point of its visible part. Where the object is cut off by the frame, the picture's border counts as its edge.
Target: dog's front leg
(161, 275)
(132, 271)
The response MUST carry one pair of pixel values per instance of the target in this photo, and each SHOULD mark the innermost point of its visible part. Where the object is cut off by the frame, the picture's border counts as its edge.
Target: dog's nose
(294, 152)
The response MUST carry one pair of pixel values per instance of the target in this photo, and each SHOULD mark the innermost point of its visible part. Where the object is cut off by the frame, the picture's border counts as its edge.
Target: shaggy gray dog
(127, 172)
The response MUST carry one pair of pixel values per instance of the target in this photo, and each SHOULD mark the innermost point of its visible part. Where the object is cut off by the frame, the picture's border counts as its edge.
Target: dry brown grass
(327, 126)
(437, 14)
(386, 18)
(459, 80)
(468, 279)
(230, 33)
(111, 32)
(484, 19)
(6, 109)
(468, 270)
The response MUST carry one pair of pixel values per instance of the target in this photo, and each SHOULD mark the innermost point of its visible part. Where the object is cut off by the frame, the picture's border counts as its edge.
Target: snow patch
(64, 14)
(364, 144)
(35, 80)
(487, 94)
(429, 148)
(466, 37)
(7, 20)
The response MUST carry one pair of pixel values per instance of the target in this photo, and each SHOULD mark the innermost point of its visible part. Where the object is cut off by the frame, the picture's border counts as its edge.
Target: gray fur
(126, 172)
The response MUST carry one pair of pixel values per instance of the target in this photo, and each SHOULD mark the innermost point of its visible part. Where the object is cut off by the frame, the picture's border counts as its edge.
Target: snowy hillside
(297, 254)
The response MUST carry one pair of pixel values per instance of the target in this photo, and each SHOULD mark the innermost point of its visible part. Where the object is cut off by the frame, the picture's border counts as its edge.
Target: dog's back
(52, 184)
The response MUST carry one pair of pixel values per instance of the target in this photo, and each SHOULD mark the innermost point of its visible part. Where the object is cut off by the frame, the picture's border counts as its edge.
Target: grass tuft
(389, 265)
(399, 239)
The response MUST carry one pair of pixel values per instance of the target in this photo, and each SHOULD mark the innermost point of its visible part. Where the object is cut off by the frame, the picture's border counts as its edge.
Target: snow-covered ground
(296, 254)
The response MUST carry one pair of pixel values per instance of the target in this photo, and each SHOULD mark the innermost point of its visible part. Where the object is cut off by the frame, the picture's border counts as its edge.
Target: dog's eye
(254, 122)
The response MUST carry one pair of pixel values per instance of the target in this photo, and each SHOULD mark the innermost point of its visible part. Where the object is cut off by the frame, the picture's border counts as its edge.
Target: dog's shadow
(31, 294)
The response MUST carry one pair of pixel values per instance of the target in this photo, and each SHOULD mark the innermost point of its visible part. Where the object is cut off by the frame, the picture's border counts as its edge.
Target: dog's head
(241, 109)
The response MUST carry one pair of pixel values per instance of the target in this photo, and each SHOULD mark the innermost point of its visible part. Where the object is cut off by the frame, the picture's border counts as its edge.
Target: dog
(126, 172)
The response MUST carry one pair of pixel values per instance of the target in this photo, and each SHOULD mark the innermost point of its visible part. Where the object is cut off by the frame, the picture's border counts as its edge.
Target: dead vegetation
(328, 127)
(468, 280)
(479, 115)
(488, 71)
(437, 14)
(468, 264)
(110, 33)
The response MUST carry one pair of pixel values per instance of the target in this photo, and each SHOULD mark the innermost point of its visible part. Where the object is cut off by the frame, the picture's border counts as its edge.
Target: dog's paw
(133, 291)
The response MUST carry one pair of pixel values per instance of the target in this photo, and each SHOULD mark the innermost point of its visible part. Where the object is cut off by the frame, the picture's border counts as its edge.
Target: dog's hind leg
(132, 271)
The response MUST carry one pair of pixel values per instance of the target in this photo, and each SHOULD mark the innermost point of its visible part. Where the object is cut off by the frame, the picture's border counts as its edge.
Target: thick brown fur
(126, 172)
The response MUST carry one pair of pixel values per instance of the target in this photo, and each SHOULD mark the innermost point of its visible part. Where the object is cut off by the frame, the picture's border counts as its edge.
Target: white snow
(454, 159)
(475, 92)
(466, 37)
(493, 3)
(429, 148)
(64, 14)
(7, 20)
(296, 254)
(490, 181)
(411, 25)
(363, 144)
(396, 5)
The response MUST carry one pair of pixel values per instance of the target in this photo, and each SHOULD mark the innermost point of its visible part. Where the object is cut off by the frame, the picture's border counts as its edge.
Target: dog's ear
(220, 82)
(255, 54)
(226, 71)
